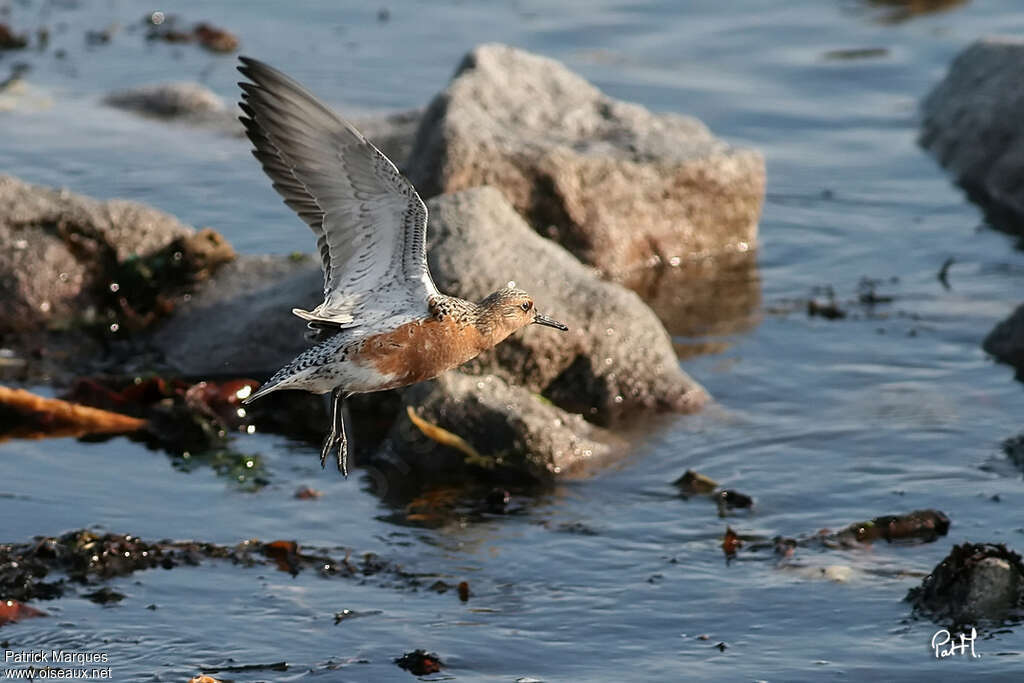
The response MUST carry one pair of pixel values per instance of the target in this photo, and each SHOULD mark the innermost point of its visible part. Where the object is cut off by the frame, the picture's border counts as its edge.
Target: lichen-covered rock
(519, 436)
(615, 360)
(971, 123)
(1006, 340)
(617, 185)
(64, 257)
(975, 581)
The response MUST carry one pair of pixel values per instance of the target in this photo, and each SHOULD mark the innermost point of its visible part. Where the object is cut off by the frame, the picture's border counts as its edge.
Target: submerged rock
(619, 186)
(976, 581)
(971, 123)
(1006, 340)
(68, 259)
(508, 433)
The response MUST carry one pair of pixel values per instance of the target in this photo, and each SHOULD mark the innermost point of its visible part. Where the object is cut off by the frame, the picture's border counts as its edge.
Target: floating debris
(215, 39)
(307, 493)
(26, 415)
(857, 53)
(105, 596)
(728, 499)
(730, 544)
(346, 614)
(14, 610)
(166, 28)
(9, 40)
(285, 554)
(694, 483)
(420, 662)
(446, 438)
(919, 526)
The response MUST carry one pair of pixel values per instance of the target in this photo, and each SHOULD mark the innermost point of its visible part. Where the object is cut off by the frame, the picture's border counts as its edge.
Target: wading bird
(389, 324)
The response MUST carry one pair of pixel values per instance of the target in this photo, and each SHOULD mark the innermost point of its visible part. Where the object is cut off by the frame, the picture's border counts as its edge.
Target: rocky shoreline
(133, 279)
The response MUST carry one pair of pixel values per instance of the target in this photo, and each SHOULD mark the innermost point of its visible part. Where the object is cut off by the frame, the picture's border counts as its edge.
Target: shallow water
(613, 577)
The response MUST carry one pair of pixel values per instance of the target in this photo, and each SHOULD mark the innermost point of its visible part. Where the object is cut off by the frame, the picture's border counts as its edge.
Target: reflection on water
(703, 298)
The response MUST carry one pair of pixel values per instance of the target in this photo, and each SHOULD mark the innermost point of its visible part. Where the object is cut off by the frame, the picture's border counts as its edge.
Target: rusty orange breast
(420, 350)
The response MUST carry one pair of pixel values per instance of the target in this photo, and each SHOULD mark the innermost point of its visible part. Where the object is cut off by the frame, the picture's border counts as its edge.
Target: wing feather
(368, 220)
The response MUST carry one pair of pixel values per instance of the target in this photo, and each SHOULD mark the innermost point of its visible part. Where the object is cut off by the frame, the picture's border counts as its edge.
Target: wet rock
(516, 435)
(615, 184)
(393, 134)
(247, 306)
(70, 259)
(976, 581)
(971, 123)
(1006, 340)
(181, 100)
(616, 359)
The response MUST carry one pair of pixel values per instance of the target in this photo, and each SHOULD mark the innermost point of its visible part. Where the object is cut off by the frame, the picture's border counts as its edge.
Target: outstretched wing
(369, 222)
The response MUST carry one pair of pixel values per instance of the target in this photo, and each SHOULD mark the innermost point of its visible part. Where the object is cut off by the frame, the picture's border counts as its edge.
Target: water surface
(613, 577)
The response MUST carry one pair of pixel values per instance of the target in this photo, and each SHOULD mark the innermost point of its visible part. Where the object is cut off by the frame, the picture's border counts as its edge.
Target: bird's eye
(527, 305)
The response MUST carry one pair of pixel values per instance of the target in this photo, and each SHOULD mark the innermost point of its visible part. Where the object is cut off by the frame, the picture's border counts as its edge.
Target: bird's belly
(417, 351)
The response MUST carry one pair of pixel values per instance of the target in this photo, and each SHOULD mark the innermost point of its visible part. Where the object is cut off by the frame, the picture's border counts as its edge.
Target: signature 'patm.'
(390, 325)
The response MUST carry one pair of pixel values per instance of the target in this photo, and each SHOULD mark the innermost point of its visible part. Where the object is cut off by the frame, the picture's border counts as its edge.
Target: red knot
(389, 325)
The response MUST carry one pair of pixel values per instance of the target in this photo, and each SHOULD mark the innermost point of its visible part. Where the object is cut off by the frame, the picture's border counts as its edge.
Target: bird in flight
(389, 325)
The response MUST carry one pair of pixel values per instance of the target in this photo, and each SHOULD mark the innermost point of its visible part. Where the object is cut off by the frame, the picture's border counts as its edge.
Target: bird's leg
(342, 439)
(337, 435)
(332, 438)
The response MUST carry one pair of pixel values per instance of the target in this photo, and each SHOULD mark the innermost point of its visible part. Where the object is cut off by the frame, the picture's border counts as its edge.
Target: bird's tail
(262, 391)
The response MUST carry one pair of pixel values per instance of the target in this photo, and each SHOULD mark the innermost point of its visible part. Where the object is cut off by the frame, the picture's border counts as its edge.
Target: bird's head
(510, 309)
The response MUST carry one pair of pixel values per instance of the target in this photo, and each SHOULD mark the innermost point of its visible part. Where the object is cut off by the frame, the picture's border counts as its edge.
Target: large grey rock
(524, 438)
(1006, 340)
(976, 581)
(240, 323)
(971, 123)
(393, 134)
(616, 358)
(617, 185)
(60, 251)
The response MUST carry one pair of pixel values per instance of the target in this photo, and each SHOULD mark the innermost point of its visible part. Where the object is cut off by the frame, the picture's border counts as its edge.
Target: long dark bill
(541, 319)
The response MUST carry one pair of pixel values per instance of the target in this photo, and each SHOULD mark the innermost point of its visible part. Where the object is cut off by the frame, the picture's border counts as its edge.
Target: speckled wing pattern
(369, 222)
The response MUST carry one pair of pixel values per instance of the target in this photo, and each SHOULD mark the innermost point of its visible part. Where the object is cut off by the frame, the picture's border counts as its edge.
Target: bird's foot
(341, 443)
